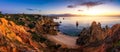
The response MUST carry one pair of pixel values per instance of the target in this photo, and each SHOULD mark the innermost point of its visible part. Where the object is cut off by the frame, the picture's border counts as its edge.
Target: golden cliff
(14, 38)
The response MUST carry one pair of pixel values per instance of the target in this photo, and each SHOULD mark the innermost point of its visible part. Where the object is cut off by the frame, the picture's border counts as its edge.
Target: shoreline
(65, 40)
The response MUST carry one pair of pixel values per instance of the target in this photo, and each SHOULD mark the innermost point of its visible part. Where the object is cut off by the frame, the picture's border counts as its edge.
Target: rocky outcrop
(98, 39)
(35, 23)
(30, 31)
(46, 26)
(14, 38)
(26, 33)
(91, 34)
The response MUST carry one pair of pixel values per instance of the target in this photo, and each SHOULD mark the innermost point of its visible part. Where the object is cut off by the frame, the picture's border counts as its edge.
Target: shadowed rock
(97, 39)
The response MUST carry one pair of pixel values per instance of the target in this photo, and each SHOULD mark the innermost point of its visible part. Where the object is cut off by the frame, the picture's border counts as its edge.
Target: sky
(79, 7)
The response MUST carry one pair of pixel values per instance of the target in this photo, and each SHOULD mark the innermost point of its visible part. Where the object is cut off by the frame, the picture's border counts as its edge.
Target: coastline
(65, 40)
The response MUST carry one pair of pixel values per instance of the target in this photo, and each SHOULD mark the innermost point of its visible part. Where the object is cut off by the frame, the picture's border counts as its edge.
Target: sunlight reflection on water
(68, 24)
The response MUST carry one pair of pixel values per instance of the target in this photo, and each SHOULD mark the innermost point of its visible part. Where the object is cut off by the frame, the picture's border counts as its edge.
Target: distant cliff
(98, 39)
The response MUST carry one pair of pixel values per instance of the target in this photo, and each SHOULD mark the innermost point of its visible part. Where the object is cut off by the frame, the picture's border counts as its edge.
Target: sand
(64, 40)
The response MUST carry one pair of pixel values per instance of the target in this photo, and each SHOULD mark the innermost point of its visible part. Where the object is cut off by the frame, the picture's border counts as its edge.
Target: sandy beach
(64, 40)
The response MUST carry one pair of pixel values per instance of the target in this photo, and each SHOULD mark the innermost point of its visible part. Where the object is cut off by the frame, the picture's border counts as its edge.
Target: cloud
(91, 4)
(71, 6)
(88, 3)
(30, 9)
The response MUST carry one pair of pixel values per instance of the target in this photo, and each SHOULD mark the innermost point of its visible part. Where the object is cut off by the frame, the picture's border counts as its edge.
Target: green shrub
(38, 38)
(31, 25)
(21, 23)
(1, 14)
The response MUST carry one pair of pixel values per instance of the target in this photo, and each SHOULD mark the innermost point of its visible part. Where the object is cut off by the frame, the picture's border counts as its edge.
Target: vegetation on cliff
(21, 33)
(38, 23)
(1, 14)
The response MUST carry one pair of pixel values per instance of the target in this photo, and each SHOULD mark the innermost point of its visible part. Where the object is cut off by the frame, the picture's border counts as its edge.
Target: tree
(0, 14)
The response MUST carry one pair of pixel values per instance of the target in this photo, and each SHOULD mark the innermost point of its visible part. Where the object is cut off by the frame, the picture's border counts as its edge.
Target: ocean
(73, 25)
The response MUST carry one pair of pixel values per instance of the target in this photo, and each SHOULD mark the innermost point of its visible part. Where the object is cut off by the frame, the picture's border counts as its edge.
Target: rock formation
(98, 39)
(14, 38)
(19, 33)
(92, 34)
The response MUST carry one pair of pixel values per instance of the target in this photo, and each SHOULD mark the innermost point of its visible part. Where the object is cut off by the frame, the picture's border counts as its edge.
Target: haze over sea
(68, 24)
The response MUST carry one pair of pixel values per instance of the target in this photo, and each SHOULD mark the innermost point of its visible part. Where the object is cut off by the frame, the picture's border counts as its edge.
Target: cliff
(98, 39)
(14, 38)
(25, 33)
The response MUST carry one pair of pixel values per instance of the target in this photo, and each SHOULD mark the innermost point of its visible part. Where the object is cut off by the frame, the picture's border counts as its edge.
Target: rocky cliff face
(46, 26)
(35, 23)
(97, 39)
(91, 34)
(14, 38)
(26, 33)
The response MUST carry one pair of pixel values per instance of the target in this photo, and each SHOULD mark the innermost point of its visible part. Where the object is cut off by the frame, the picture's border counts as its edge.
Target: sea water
(68, 24)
